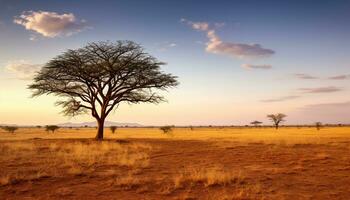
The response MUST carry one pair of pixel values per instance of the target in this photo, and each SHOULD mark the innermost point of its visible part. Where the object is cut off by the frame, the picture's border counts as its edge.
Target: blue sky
(236, 60)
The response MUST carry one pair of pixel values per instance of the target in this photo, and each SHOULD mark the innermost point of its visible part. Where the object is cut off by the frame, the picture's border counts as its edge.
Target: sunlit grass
(284, 135)
(56, 159)
(207, 176)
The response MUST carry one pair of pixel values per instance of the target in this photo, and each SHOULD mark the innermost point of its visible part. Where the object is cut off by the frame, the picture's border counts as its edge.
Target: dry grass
(214, 163)
(127, 182)
(55, 159)
(6, 179)
(283, 136)
(207, 176)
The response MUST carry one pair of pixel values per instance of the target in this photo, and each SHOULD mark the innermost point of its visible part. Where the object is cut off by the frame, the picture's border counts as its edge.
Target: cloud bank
(217, 46)
(51, 24)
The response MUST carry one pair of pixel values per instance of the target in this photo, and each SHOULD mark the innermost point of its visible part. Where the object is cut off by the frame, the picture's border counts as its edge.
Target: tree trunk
(276, 126)
(100, 127)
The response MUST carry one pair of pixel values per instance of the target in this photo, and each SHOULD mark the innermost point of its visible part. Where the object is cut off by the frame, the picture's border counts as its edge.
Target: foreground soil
(261, 171)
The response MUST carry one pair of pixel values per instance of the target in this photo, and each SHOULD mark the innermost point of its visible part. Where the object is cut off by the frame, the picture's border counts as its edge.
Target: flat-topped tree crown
(100, 76)
(277, 118)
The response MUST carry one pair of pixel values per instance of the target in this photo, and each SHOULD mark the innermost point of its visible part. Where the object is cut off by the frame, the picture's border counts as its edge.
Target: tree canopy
(277, 118)
(98, 77)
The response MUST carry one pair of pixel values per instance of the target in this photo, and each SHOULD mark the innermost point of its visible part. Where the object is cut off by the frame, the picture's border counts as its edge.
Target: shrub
(166, 129)
(318, 125)
(113, 129)
(52, 128)
(10, 129)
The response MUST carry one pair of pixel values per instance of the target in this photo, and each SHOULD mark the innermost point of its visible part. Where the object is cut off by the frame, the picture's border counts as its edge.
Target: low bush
(113, 129)
(52, 128)
(166, 129)
(10, 129)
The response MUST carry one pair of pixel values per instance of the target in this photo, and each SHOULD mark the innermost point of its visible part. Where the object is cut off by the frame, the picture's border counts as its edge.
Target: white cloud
(201, 26)
(217, 46)
(253, 66)
(51, 24)
(22, 69)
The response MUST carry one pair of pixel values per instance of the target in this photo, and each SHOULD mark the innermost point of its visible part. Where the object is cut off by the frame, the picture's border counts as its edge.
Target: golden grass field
(203, 163)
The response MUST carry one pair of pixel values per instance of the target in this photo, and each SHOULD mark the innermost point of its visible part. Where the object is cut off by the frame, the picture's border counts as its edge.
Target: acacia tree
(100, 76)
(52, 128)
(318, 125)
(277, 118)
(256, 123)
(113, 129)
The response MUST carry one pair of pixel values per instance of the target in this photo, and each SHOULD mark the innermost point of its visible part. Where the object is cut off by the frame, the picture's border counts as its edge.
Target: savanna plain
(185, 163)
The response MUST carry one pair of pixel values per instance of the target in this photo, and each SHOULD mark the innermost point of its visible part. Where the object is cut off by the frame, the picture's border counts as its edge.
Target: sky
(237, 61)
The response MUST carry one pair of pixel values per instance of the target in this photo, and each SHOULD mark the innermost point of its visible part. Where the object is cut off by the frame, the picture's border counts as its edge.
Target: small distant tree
(277, 119)
(38, 126)
(10, 129)
(318, 125)
(255, 123)
(52, 128)
(113, 129)
(166, 129)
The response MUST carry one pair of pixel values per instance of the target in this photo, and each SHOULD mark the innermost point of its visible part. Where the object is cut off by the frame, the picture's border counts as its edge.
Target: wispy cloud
(22, 69)
(51, 24)
(166, 46)
(329, 105)
(285, 98)
(330, 112)
(328, 89)
(255, 66)
(339, 77)
(202, 26)
(305, 76)
(217, 46)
